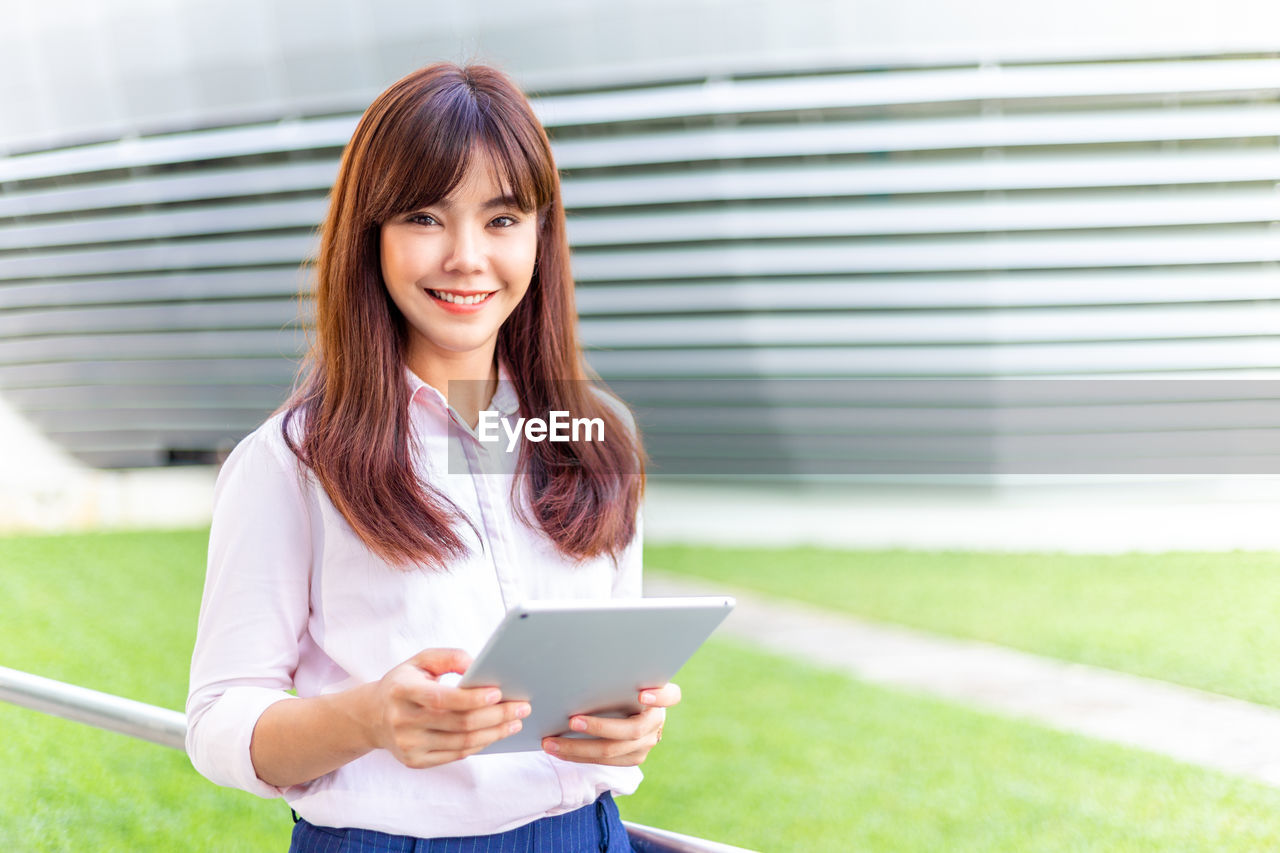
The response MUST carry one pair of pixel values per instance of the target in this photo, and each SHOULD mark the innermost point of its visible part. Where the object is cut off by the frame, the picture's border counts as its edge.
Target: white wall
(42, 489)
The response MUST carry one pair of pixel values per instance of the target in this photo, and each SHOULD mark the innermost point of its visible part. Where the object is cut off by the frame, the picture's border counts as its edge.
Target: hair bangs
(444, 135)
(524, 172)
(427, 160)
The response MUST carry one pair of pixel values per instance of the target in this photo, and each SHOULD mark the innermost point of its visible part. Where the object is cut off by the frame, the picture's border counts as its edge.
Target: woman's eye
(504, 221)
(421, 219)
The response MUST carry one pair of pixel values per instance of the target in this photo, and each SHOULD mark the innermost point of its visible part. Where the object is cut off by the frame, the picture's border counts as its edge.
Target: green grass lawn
(764, 752)
(775, 756)
(1203, 620)
(117, 613)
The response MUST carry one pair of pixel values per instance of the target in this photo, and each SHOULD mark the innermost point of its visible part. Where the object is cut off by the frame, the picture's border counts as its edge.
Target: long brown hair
(410, 149)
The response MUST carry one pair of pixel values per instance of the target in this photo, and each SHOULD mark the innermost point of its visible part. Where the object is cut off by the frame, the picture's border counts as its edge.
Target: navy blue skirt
(596, 828)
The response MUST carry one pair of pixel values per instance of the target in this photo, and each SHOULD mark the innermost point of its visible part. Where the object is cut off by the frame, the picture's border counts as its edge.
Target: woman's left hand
(621, 742)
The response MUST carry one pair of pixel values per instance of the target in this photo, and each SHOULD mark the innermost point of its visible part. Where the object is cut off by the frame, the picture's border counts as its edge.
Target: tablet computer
(588, 657)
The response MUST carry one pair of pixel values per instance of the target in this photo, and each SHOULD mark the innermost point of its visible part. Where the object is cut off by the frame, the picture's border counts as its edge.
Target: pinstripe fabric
(596, 828)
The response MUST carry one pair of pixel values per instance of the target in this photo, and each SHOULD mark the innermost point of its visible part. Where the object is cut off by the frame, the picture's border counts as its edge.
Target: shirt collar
(505, 401)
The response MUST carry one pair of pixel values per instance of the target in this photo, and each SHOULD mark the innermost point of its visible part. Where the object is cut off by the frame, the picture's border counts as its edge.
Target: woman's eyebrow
(501, 201)
(496, 201)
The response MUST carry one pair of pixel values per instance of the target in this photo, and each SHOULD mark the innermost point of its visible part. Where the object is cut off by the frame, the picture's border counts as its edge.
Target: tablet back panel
(589, 657)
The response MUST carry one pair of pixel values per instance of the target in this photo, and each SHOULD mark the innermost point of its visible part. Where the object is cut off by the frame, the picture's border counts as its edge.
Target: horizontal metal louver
(1096, 219)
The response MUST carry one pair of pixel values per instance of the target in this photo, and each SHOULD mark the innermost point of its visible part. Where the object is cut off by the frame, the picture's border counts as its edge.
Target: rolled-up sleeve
(254, 612)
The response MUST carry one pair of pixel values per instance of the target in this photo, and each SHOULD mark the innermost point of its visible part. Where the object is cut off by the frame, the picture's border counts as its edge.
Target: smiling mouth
(460, 299)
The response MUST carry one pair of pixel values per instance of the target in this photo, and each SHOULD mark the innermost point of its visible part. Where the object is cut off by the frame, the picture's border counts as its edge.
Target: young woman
(365, 542)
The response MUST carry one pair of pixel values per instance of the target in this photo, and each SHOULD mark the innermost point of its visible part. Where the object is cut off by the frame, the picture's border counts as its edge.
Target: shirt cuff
(218, 742)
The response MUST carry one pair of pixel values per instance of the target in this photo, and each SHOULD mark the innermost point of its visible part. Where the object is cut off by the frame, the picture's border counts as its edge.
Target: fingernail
(493, 697)
(523, 711)
(550, 746)
(578, 724)
(515, 726)
(648, 698)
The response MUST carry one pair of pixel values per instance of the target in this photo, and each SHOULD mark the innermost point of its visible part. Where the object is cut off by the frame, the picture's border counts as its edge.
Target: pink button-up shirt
(294, 600)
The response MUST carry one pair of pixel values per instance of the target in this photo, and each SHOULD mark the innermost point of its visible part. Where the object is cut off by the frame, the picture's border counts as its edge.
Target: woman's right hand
(424, 723)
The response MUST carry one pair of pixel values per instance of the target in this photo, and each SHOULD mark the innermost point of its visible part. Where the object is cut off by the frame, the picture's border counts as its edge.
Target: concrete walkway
(1190, 725)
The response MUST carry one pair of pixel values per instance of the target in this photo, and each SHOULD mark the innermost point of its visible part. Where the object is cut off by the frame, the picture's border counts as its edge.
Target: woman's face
(458, 268)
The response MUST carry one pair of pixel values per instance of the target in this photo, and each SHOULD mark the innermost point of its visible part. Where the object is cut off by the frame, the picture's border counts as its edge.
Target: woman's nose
(466, 251)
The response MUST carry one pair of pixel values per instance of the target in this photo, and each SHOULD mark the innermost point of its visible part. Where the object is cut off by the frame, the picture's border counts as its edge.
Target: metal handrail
(169, 728)
(101, 710)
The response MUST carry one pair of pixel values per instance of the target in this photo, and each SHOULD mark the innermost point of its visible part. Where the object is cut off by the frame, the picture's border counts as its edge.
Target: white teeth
(460, 300)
